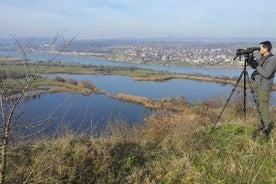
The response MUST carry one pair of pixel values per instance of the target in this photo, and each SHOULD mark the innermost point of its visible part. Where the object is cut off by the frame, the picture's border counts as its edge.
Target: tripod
(245, 76)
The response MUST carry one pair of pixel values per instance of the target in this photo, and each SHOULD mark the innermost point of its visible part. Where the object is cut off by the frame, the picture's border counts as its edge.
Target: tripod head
(246, 52)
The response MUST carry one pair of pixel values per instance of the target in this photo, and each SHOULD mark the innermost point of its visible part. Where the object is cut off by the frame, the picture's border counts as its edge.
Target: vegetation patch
(174, 145)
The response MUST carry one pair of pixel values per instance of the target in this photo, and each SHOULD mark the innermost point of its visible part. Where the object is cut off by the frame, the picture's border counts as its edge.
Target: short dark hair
(267, 45)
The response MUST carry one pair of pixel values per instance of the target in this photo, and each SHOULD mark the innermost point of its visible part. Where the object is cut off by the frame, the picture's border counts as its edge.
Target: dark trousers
(263, 104)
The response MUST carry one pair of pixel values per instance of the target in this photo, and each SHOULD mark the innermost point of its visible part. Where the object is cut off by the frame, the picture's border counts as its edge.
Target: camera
(246, 51)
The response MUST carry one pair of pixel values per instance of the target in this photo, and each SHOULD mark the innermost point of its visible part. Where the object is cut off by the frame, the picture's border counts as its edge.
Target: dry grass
(171, 147)
(132, 98)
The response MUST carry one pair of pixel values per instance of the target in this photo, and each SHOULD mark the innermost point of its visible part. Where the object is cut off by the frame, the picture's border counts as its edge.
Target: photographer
(265, 68)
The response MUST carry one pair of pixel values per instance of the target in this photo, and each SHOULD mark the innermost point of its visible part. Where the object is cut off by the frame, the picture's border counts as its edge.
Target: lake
(190, 89)
(78, 113)
(84, 113)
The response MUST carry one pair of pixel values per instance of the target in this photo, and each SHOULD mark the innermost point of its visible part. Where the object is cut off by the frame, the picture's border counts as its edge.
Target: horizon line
(203, 39)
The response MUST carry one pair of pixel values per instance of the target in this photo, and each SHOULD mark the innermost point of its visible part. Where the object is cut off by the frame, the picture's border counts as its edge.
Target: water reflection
(190, 89)
(79, 112)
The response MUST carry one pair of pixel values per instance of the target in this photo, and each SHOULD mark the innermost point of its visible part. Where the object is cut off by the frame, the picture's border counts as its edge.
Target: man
(264, 74)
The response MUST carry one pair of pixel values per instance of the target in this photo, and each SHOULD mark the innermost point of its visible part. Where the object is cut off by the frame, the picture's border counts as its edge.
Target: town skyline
(140, 51)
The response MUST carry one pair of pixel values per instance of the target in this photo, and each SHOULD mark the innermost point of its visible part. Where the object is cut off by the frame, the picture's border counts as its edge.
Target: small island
(15, 70)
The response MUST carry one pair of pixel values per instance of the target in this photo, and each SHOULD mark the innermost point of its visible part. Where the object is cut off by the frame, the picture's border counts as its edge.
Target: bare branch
(9, 118)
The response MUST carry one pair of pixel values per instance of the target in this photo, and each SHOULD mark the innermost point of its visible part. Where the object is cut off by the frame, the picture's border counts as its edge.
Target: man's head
(265, 48)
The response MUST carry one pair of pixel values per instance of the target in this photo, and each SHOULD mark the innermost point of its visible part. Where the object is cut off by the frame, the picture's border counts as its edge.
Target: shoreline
(98, 56)
(135, 73)
(86, 88)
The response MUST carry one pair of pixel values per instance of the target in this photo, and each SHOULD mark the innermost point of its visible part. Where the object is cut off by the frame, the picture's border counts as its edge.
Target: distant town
(155, 52)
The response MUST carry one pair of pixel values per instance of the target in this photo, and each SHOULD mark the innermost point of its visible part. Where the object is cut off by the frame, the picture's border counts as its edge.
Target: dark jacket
(266, 72)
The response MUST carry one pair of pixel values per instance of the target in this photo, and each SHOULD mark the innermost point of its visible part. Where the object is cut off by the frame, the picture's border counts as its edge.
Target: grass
(52, 86)
(171, 147)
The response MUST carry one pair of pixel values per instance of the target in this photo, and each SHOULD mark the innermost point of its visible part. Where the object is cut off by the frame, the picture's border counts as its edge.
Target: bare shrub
(206, 115)
(213, 102)
(60, 79)
(10, 119)
(238, 105)
(72, 81)
(87, 84)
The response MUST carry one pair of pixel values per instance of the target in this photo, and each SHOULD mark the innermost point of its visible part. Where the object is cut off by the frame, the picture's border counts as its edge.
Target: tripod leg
(244, 95)
(228, 99)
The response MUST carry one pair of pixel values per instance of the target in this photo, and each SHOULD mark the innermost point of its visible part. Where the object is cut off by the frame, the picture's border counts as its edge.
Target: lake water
(86, 112)
(191, 90)
(78, 113)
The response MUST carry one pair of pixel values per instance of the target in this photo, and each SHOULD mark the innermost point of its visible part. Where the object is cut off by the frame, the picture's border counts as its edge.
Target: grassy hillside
(173, 146)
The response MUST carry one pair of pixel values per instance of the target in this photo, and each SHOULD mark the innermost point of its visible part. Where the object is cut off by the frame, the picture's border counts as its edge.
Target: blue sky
(95, 19)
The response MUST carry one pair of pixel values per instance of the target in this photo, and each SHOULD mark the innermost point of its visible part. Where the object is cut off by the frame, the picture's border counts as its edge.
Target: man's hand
(251, 60)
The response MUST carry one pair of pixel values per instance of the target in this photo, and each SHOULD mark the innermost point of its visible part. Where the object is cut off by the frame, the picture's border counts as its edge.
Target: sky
(109, 19)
